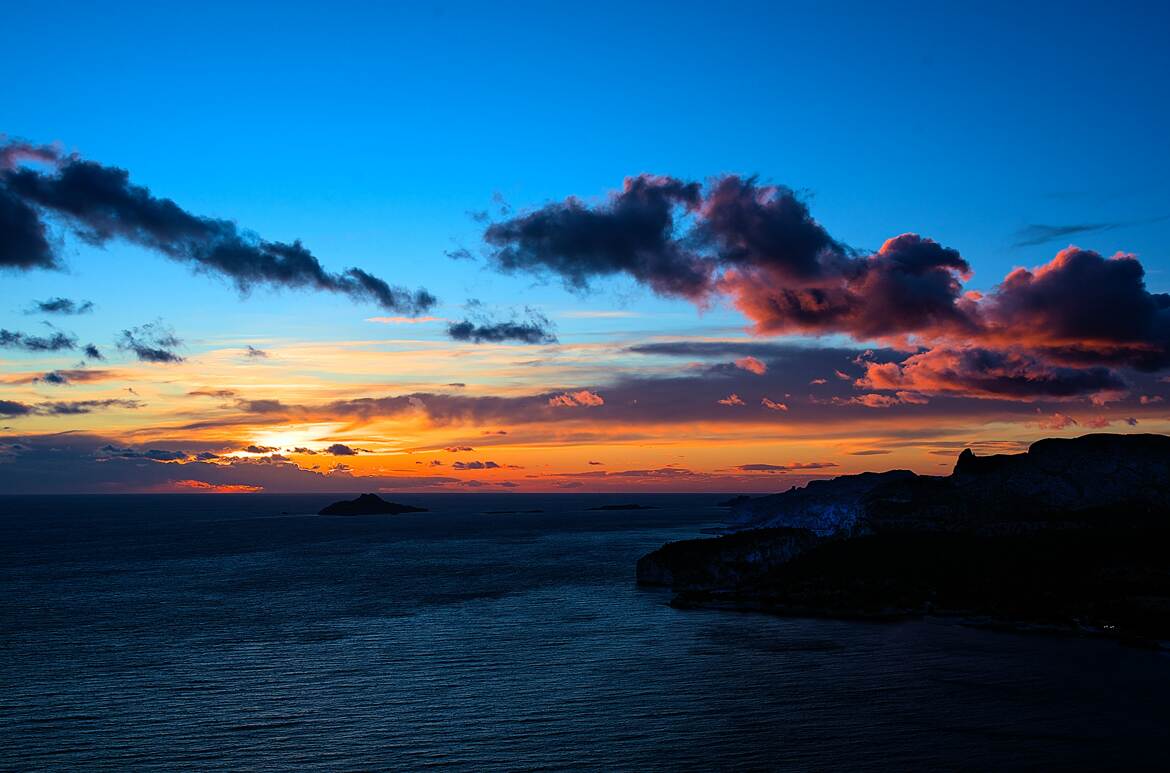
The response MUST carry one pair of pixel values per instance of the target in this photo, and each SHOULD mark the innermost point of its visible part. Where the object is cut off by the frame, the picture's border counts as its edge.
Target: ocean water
(242, 633)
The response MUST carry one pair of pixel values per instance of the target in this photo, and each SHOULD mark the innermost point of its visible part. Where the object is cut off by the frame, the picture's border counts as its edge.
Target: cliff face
(824, 507)
(1073, 533)
(1053, 481)
(728, 562)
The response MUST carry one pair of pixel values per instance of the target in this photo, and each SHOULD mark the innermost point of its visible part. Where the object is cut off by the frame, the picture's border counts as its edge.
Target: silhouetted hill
(369, 504)
(1074, 534)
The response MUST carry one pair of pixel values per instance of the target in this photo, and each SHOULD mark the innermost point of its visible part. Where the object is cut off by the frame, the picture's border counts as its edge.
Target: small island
(369, 504)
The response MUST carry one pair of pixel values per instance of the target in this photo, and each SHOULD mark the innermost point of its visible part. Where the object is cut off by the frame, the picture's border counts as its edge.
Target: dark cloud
(92, 352)
(910, 285)
(61, 377)
(340, 449)
(76, 407)
(474, 466)
(154, 454)
(152, 342)
(757, 243)
(60, 306)
(633, 232)
(986, 373)
(870, 452)
(56, 342)
(262, 406)
(795, 466)
(10, 409)
(99, 203)
(535, 328)
(251, 352)
(1083, 308)
(255, 449)
(500, 332)
(24, 243)
(766, 226)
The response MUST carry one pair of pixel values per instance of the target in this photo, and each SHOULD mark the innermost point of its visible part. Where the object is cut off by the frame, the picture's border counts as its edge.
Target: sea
(497, 632)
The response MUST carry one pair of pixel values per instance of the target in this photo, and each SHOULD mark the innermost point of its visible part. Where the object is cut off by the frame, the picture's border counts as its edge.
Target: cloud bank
(1070, 326)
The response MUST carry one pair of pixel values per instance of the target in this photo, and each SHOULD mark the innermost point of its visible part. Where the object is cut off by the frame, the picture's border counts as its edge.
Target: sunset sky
(433, 249)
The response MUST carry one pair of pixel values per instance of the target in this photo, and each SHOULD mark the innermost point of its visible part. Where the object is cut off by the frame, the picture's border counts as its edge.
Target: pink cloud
(1057, 421)
(582, 398)
(751, 365)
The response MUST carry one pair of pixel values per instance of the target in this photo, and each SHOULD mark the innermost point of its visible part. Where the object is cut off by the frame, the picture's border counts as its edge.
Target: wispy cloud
(1040, 233)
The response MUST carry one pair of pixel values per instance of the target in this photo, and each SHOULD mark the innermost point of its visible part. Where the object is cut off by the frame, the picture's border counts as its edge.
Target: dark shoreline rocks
(369, 504)
(1072, 536)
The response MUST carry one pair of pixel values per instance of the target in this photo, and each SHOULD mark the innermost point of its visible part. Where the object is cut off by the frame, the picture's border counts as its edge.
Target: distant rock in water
(369, 504)
(625, 507)
(1072, 535)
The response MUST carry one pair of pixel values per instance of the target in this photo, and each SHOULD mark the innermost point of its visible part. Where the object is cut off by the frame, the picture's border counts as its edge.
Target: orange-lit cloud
(751, 365)
(576, 399)
(211, 488)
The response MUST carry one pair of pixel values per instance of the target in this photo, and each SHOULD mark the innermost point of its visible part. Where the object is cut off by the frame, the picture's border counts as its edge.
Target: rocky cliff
(1074, 534)
(1054, 480)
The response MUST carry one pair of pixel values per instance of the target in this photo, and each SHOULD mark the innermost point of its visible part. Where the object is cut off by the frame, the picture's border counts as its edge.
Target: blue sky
(371, 131)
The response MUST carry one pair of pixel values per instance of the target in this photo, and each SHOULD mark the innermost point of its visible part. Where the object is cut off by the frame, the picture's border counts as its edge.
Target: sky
(541, 247)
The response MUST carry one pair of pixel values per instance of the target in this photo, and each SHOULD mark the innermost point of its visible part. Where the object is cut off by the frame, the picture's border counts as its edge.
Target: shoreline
(965, 618)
